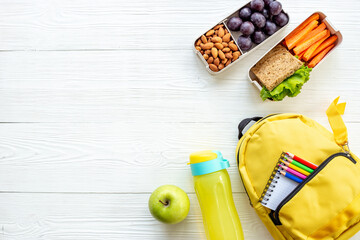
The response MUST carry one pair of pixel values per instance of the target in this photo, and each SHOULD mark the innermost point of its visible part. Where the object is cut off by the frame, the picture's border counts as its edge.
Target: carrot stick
(301, 55)
(311, 34)
(313, 47)
(311, 41)
(320, 56)
(324, 45)
(302, 26)
(291, 43)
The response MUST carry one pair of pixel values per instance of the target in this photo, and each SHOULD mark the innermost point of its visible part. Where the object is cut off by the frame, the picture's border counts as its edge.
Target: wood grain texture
(109, 86)
(102, 101)
(105, 216)
(138, 25)
(113, 157)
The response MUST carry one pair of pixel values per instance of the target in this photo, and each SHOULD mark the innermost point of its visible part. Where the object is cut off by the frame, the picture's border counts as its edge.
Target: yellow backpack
(326, 205)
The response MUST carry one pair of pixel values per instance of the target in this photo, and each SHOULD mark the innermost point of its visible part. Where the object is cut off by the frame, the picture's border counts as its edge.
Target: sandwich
(280, 74)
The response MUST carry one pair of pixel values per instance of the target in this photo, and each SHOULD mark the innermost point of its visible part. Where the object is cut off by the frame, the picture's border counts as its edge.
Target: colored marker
(296, 163)
(300, 160)
(295, 168)
(292, 177)
(293, 172)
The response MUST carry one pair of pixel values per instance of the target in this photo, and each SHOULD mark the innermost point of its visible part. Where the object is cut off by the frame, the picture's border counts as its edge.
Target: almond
(198, 42)
(217, 61)
(221, 66)
(226, 49)
(210, 32)
(228, 55)
(227, 63)
(213, 68)
(210, 60)
(226, 31)
(208, 52)
(206, 46)
(233, 47)
(203, 39)
(214, 52)
(225, 44)
(219, 46)
(221, 32)
(226, 37)
(199, 48)
(224, 61)
(206, 57)
(221, 55)
(236, 55)
(218, 26)
(202, 52)
(216, 39)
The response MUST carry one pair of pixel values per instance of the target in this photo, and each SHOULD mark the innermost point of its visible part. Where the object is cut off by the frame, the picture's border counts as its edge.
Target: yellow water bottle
(213, 190)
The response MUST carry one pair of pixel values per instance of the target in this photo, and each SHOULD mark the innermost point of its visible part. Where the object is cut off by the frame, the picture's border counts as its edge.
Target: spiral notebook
(277, 188)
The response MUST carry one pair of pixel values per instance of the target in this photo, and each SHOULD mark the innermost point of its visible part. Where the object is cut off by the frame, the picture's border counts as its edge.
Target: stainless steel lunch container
(235, 36)
(253, 79)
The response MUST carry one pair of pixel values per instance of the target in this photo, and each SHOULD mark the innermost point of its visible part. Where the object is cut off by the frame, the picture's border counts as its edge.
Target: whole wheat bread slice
(275, 67)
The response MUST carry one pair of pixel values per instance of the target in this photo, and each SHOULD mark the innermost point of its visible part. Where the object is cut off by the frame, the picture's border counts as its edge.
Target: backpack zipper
(274, 215)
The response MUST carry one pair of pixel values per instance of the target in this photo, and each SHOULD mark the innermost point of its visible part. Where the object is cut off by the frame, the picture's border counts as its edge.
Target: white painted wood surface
(102, 101)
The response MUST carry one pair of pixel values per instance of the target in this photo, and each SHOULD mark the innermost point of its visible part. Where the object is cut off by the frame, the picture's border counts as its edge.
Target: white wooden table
(102, 101)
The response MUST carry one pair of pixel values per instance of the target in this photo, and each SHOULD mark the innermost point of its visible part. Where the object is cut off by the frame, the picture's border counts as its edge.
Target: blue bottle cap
(207, 162)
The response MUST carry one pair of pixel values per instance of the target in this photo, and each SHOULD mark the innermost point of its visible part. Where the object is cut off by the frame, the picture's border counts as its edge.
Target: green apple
(169, 204)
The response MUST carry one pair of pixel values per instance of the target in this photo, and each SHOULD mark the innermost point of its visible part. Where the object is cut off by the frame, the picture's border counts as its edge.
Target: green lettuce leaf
(289, 87)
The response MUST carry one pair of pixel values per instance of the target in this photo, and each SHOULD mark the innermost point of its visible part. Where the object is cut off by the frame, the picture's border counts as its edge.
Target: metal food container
(333, 31)
(234, 36)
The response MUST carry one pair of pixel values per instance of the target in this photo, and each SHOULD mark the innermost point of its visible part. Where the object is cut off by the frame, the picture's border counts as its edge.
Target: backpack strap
(337, 124)
(245, 122)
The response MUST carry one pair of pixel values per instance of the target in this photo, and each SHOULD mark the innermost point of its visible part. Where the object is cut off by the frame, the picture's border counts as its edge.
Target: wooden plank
(110, 86)
(105, 216)
(105, 157)
(114, 157)
(112, 24)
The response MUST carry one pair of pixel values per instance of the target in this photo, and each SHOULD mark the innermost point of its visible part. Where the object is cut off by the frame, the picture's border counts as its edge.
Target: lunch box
(234, 36)
(333, 31)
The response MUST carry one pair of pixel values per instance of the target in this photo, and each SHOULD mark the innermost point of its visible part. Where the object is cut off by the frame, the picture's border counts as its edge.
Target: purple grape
(247, 28)
(257, 5)
(267, 2)
(244, 43)
(265, 13)
(234, 23)
(245, 13)
(275, 8)
(270, 28)
(258, 36)
(258, 20)
(281, 19)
